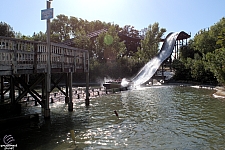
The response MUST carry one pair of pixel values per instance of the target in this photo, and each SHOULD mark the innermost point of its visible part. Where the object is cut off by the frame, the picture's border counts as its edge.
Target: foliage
(60, 26)
(108, 46)
(41, 37)
(215, 62)
(181, 71)
(204, 55)
(150, 43)
(6, 30)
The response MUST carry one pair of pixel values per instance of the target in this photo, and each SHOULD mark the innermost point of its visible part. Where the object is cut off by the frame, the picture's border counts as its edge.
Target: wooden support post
(36, 103)
(12, 91)
(87, 101)
(2, 89)
(46, 100)
(48, 74)
(70, 104)
(43, 89)
(86, 66)
(27, 78)
(67, 83)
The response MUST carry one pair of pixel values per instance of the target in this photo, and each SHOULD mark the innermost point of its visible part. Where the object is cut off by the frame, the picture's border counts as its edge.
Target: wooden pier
(23, 68)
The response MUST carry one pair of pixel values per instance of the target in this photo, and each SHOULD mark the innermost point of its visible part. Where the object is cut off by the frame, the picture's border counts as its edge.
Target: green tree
(6, 30)
(61, 27)
(109, 46)
(150, 44)
(40, 37)
(181, 71)
(215, 60)
(81, 40)
(204, 54)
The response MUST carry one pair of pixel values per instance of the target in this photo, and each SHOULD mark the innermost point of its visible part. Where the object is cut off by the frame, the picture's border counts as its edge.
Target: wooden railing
(18, 56)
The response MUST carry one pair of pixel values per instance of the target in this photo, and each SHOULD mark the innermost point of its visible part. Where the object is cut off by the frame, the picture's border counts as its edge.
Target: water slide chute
(151, 67)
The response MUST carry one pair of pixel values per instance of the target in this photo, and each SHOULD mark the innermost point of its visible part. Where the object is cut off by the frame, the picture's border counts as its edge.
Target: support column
(67, 83)
(86, 70)
(2, 89)
(87, 100)
(27, 79)
(12, 91)
(48, 74)
(43, 90)
(70, 104)
(15, 107)
(47, 94)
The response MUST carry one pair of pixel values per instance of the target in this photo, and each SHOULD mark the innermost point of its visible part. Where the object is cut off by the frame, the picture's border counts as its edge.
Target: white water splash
(151, 67)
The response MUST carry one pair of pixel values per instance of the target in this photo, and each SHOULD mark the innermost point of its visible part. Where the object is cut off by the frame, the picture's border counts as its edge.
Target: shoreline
(219, 90)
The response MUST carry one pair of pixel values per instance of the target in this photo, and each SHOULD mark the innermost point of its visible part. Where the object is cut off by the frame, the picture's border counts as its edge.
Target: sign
(47, 14)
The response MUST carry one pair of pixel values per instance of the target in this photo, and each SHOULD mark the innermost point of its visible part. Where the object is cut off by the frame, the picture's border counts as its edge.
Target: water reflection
(158, 117)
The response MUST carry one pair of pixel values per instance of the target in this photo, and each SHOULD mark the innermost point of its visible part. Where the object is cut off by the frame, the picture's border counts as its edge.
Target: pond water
(157, 117)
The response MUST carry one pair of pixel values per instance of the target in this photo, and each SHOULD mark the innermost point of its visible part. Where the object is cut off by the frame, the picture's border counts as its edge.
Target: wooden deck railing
(21, 56)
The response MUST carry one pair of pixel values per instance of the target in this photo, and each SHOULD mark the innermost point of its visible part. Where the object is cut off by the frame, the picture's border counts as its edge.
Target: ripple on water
(161, 117)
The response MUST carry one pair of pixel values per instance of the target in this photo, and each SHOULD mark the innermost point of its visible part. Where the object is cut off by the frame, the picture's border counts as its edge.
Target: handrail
(18, 54)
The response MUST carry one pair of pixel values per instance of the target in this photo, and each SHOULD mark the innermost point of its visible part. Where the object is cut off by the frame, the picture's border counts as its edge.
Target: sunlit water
(157, 117)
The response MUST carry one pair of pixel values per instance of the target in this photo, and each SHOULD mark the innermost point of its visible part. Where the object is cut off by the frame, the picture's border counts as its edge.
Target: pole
(70, 104)
(67, 86)
(86, 66)
(2, 90)
(48, 76)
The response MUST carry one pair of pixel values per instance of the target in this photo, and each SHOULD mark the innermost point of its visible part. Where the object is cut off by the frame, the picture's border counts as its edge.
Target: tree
(108, 45)
(61, 27)
(150, 44)
(6, 30)
(215, 60)
(81, 40)
(40, 37)
(204, 55)
(181, 71)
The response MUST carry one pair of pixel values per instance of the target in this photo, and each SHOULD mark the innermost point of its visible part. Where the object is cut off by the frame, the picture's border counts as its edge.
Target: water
(158, 117)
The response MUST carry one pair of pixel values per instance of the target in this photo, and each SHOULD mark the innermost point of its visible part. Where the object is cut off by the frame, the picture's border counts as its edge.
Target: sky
(24, 16)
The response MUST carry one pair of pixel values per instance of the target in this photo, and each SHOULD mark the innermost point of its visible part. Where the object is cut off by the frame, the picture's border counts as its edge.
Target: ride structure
(23, 66)
(170, 44)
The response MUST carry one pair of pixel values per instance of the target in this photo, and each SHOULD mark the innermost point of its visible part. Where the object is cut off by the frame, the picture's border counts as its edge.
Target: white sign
(47, 14)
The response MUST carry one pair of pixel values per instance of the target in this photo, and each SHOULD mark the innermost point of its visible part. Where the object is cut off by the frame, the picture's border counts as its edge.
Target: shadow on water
(56, 130)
